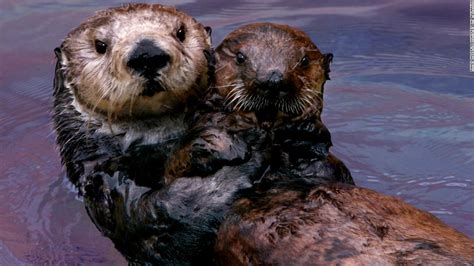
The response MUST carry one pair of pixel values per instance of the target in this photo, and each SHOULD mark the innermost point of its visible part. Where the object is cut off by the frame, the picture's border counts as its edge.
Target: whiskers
(290, 105)
(241, 98)
(310, 96)
(105, 93)
(238, 98)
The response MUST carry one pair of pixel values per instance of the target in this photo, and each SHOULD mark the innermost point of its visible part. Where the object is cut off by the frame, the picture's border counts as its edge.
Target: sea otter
(292, 215)
(267, 97)
(124, 78)
(282, 218)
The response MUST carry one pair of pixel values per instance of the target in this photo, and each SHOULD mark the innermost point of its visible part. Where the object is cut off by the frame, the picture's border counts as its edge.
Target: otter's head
(135, 60)
(267, 65)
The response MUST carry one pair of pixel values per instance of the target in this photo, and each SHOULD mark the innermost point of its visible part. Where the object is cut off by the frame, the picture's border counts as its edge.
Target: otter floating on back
(126, 76)
(292, 216)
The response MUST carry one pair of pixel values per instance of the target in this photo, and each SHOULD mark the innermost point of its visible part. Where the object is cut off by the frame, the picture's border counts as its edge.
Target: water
(400, 107)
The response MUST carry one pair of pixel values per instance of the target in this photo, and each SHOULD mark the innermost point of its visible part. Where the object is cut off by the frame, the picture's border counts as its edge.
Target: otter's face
(136, 60)
(268, 65)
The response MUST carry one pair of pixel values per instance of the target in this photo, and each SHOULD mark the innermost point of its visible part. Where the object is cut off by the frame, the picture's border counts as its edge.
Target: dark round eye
(304, 62)
(181, 34)
(240, 58)
(100, 47)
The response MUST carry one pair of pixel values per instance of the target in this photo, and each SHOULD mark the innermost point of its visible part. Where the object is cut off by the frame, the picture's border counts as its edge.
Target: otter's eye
(100, 47)
(240, 58)
(304, 62)
(181, 34)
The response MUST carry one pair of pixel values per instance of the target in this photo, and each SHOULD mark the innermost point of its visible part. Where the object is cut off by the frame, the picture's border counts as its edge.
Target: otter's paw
(111, 200)
(307, 139)
(207, 154)
(98, 199)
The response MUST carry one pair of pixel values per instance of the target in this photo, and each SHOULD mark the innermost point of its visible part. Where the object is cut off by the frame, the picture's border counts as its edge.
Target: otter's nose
(147, 59)
(274, 78)
(273, 84)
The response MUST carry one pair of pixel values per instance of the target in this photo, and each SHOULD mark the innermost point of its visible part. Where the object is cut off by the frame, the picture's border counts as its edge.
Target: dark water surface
(400, 107)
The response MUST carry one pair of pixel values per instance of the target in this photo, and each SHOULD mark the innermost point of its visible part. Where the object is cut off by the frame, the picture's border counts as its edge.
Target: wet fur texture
(177, 223)
(100, 111)
(263, 219)
(285, 221)
(106, 127)
(307, 212)
(292, 135)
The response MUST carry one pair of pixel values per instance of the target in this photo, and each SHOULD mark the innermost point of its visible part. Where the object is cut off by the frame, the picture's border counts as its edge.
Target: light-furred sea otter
(124, 78)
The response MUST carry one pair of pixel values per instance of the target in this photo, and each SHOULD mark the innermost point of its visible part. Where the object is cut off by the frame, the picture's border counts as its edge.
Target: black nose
(273, 84)
(147, 59)
(274, 79)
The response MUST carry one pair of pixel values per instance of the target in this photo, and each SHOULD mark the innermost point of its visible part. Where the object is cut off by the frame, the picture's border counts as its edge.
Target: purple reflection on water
(400, 107)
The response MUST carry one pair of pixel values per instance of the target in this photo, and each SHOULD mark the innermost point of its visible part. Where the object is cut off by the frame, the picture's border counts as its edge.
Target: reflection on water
(400, 108)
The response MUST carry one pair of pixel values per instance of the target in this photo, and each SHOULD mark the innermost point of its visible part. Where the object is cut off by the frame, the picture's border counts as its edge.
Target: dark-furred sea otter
(267, 98)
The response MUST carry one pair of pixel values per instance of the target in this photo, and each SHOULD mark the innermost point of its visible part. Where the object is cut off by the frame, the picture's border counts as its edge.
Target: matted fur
(99, 108)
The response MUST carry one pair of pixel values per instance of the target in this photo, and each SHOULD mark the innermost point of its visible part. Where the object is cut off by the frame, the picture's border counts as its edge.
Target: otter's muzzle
(274, 85)
(147, 59)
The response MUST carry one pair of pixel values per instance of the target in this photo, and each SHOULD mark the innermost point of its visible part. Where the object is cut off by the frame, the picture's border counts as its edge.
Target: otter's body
(267, 98)
(295, 222)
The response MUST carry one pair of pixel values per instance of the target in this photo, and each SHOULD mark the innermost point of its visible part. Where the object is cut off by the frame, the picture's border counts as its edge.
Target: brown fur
(269, 47)
(288, 219)
(241, 120)
(236, 108)
(335, 225)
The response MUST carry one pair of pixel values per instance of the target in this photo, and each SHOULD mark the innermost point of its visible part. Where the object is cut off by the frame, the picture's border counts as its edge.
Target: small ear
(208, 30)
(326, 62)
(210, 56)
(209, 37)
(57, 52)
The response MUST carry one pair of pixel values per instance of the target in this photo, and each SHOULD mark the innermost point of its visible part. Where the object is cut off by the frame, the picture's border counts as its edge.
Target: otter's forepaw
(207, 154)
(97, 198)
(307, 139)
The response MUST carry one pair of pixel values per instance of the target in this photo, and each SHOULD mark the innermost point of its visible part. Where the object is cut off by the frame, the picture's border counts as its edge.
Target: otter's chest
(165, 131)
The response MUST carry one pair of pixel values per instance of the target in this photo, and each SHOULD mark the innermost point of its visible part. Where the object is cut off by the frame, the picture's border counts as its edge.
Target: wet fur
(99, 110)
(296, 214)
(115, 131)
(284, 221)
(292, 134)
(179, 224)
